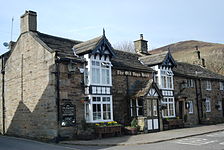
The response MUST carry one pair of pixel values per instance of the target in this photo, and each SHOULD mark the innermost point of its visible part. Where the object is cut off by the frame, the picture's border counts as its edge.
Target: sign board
(68, 114)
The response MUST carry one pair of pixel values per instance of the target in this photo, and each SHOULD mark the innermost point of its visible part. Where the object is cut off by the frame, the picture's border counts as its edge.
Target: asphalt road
(213, 141)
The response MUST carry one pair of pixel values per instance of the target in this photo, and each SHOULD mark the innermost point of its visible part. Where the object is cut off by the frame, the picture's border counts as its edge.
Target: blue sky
(161, 21)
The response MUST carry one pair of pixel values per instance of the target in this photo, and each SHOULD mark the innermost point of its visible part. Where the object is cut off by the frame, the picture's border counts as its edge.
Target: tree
(127, 46)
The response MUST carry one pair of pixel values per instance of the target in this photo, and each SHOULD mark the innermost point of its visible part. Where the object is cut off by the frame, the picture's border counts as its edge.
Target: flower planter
(108, 130)
(130, 131)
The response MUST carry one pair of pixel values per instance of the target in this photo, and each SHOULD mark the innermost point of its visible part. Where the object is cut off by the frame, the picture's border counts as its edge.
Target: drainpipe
(202, 115)
(3, 95)
(57, 76)
(197, 99)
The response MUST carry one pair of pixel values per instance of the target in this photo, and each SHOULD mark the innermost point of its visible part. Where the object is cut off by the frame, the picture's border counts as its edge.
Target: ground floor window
(190, 107)
(169, 110)
(99, 109)
(208, 105)
(136, 107)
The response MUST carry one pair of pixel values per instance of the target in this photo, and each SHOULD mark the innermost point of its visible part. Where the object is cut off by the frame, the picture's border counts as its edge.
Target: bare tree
(125, 46)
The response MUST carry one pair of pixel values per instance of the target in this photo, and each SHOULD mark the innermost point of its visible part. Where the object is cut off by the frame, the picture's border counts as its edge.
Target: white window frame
(191, 107)
(138, 107)
(167, 103)
(104, 64)
(221, 84)
(101, 103)
(166, 75)
(208, 105)
(208, 85)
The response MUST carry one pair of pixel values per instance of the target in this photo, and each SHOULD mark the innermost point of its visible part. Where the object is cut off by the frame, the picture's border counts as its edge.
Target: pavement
(149, 137)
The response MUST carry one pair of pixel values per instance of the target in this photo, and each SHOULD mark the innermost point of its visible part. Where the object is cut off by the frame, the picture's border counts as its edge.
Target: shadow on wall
(41, 123)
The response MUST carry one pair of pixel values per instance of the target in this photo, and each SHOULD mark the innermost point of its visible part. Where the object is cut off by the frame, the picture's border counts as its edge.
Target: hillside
(213, 53)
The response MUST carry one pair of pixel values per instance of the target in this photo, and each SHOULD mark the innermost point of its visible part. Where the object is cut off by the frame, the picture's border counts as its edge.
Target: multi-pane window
(96, 72)
(136, 107)
(208, 105)
(221, 85)
(190, 83)
(166, 79)
(100, 109)
(100, 72)
(191, 107)
(208, 85)
(169, 111)
(139, 107)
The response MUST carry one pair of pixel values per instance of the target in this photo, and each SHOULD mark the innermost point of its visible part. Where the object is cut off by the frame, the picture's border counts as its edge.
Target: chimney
(28, 21)
(141, 46)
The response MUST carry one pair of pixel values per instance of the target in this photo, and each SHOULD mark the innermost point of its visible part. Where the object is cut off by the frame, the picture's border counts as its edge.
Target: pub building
(53, 87)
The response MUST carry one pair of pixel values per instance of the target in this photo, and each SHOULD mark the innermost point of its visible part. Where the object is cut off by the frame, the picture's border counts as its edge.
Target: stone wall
(72, 91)
(215, 94)
(189, 94)
(30, 102)
(123, 86)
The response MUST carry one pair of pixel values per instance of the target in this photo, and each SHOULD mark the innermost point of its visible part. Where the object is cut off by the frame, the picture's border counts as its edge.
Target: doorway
(153, 115)
(181, 113)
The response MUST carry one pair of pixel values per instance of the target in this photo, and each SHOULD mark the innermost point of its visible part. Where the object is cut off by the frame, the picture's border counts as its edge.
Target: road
(212, 141)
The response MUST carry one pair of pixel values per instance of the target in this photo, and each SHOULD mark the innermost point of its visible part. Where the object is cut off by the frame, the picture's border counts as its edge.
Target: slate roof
(87, 46)
(128, 61)
(154, 59)
(59, 44)
(189, 70)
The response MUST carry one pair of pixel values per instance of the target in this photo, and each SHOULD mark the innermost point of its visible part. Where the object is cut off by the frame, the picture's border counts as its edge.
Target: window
(139, 107)
(101, 72)
(169, 82)
(105, 76)
(163, 79)
(190, 83)
(221, 85)
(101, 107)
(96, 72)
(169, 104)
(166, 79)
(208, 85)
(136, 107)
(190, 108)
(219, 105)
(208, 105)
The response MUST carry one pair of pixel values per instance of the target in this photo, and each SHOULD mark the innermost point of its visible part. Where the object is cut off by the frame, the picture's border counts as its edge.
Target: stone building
(51, 85)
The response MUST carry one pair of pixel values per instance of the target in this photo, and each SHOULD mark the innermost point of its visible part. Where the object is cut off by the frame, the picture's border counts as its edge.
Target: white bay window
(169, 110)
(99, 109)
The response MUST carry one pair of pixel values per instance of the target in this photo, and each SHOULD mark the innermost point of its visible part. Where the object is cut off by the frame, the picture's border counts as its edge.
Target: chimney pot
(141, 36)
(28, 21)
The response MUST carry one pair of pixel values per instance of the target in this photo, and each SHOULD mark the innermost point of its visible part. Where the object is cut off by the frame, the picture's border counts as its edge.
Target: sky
(162, 22)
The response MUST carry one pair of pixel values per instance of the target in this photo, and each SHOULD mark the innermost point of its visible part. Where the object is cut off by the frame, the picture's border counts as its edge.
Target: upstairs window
(208, 85)
(190, 83)
(96, 72)
(166, 79)
(221, 85)
(101, 72)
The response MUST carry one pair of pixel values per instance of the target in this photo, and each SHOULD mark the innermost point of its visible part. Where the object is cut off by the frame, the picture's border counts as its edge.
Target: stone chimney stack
(28, 21)
(141, 46)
